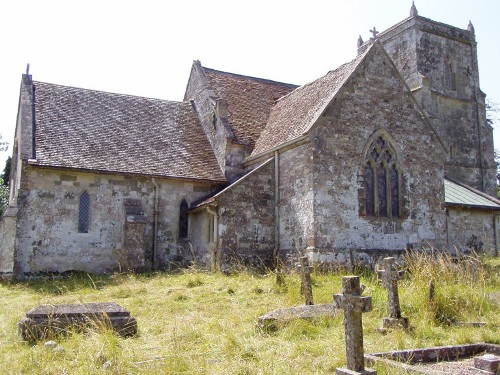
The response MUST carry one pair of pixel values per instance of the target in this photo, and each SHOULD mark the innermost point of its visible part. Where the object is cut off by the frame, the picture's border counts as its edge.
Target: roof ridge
(250, 77)
(318, 97)
(106, 92)
(327, 73)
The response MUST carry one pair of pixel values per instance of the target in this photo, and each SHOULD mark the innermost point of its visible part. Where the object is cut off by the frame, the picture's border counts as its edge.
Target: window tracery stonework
(382, 180)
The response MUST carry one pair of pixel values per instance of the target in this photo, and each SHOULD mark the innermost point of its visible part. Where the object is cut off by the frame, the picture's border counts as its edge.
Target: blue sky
(146, 48)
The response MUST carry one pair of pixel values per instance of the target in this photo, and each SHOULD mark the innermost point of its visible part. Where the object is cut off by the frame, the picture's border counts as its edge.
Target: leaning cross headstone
(353, 305)
(306, 287)
(390, 276)
(46, 321)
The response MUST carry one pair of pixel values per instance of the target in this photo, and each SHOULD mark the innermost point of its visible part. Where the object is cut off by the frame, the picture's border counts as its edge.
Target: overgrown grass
(203, 323)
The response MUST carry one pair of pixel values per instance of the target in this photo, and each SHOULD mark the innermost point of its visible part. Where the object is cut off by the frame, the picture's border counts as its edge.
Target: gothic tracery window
(382, 180)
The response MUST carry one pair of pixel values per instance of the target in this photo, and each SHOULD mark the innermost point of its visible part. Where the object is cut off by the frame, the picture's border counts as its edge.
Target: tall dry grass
(203, 323)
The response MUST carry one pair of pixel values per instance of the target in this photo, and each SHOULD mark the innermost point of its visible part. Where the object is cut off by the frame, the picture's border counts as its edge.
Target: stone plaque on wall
(134, 241)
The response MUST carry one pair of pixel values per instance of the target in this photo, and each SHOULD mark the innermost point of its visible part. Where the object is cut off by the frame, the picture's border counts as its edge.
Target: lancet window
(183, 219)
(84, 213)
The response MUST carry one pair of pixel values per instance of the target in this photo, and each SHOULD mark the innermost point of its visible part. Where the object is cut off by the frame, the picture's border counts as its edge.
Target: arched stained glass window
(183, 219)
(84, 213)
(382, 180)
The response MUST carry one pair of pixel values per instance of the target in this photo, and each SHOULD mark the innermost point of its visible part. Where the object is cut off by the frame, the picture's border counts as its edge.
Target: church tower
(439, 64)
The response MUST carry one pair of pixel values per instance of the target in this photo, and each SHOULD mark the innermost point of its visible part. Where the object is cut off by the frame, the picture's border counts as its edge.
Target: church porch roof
(460, 195)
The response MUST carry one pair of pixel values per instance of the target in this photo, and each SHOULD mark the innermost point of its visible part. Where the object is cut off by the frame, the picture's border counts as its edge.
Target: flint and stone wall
(297, 221)
(374, 102)
(473, 230)
(246, 220)
(120, 232)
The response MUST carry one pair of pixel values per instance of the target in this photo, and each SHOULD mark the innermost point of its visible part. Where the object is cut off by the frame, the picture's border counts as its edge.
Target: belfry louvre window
(382, 180)
(84, 213)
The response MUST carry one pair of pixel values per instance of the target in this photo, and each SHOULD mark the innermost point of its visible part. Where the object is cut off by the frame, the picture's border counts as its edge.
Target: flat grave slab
(271, 320)
(46, 321)
(469, 359)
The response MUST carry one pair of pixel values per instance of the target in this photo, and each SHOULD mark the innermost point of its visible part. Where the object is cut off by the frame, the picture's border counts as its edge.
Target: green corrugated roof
(457, 194)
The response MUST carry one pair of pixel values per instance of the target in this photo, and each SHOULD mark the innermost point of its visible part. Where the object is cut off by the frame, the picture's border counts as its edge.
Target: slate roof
(100, 131)
(249, 101)
(293, 115)
(461, 195)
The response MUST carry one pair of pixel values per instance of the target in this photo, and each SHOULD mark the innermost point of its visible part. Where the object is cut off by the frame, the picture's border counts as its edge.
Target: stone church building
(387, 152)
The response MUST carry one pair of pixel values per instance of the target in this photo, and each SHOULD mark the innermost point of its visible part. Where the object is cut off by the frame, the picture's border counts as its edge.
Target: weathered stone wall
(202, 248)
(374, 101)
(246, 219)
(48, 239)
(296, 201)
(7, 241)
(472, 230)
(439, 62)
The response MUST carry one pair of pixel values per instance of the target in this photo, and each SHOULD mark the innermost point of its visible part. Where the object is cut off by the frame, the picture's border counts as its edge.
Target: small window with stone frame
(84, 213)
(211, 228)
(381, 179)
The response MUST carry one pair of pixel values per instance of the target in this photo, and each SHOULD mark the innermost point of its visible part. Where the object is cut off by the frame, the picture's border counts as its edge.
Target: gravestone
(390, 276)
(306, 287)
(273, 320)
(353, 305)
(46, 321)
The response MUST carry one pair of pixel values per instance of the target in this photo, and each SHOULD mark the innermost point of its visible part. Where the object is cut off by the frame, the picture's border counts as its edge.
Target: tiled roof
(249, 101)
(293, 115)
(460, 195)
(100, 131)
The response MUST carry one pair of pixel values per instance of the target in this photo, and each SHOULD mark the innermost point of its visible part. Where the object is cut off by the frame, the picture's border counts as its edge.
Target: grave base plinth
(390, 323)
(488, 363)
(47, 321)
(346, 371)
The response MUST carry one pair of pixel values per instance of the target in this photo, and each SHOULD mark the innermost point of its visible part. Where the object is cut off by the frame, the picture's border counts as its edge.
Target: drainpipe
(495, 226)
(155, 224)
(276, 208)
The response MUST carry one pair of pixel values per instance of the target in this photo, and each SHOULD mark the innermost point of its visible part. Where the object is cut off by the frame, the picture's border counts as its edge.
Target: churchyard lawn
(195, 322)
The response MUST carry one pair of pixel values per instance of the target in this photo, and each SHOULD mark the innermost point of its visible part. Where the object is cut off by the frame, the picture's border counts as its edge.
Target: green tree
(5, 176)
(4, 197)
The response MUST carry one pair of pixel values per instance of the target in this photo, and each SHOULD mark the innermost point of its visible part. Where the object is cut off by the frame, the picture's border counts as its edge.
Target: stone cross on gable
(353, 305)
(390, 277)
(306, 287)
(374, 32)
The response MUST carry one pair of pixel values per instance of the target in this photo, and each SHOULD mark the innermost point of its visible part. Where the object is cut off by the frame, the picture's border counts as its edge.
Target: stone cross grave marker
(390, 276)
(353, 305)
(306, 287)
(46, 321)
